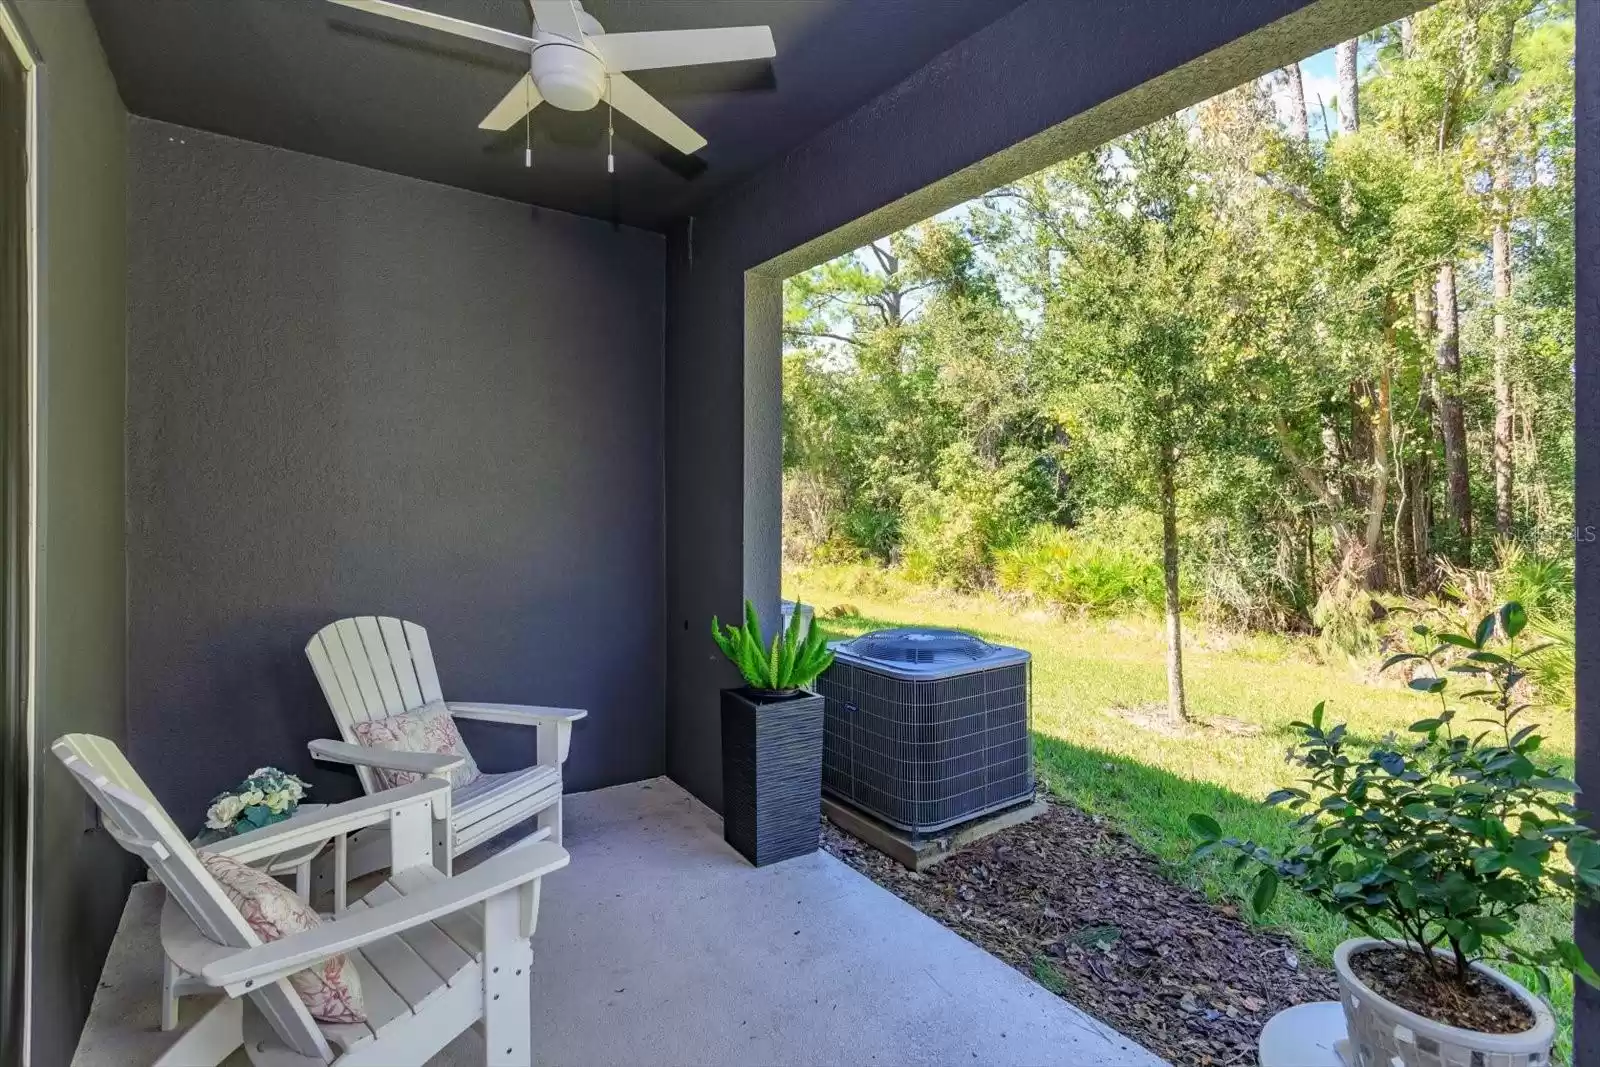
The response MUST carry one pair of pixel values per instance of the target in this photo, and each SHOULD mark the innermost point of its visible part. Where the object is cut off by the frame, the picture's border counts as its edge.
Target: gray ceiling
(317, 78)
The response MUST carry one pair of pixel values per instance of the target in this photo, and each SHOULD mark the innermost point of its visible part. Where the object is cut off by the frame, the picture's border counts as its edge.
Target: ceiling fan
(574, 64)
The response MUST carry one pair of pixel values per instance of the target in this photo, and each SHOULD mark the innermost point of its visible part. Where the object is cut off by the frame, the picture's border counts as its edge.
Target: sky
(1320, 80)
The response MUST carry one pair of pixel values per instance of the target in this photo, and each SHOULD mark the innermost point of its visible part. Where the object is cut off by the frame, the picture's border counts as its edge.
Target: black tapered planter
(771, 774)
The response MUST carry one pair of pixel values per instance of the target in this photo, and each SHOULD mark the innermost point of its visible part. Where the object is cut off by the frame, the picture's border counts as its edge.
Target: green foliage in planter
(1444, 840)
(791, 662)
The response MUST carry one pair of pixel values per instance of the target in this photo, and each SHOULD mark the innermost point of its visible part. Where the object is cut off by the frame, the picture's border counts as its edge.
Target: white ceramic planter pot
(1386, 1035)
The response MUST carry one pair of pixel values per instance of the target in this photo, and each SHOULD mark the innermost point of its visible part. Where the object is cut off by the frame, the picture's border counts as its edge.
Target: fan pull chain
(611, 158)
(527, 127)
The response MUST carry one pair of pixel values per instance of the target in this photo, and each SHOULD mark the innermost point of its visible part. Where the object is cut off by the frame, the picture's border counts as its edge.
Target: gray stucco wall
(1586, 1009)
(80, 877)
(1046, 81)
(356, 393)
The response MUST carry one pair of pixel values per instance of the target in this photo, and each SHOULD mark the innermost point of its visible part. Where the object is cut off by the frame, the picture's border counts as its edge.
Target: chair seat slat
(431, 943)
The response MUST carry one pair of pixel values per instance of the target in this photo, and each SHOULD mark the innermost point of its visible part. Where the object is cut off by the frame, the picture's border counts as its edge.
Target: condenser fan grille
(926, 728)
(920, 645)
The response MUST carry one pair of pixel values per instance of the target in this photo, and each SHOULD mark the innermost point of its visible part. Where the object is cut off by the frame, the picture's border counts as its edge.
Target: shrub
(953, 528)
(872, 531)
(810, 515)
(1069, 569)
(1553, 668)
(1443, 841)
(1542, 584)
(1249, 577)
(1348, 620)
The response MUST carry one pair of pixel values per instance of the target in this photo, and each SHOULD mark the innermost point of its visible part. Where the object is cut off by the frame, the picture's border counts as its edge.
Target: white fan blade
(557, 16)
(444, 23)
(647, 111)
(522, 98)
(683, 48)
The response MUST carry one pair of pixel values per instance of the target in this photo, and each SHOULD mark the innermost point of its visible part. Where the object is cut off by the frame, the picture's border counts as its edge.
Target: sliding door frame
(18, 569)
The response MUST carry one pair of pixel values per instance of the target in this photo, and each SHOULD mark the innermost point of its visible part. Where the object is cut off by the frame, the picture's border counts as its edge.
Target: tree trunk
(1500, 208)
(1405, 545)
(1311, 558)
(1361, 451)
(1166, 461)
(1299, 127)
(1349, 87)
(1503, 426)
(1333, 464)
(1377, 500)
(1322, 486)
(1452, 421)
(1419, 471)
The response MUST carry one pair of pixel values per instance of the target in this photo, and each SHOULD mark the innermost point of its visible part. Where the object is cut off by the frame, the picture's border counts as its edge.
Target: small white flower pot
(1386, 1035)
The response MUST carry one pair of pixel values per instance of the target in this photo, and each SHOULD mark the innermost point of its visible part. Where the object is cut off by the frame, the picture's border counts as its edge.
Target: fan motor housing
(926, 728)
(568, 75)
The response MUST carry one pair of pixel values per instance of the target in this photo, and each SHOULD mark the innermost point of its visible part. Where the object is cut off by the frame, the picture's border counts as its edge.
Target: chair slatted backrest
(371, 668)
(136, 820)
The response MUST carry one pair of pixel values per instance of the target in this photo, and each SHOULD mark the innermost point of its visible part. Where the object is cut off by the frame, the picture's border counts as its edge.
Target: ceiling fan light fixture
(569, 76)
(574, 63)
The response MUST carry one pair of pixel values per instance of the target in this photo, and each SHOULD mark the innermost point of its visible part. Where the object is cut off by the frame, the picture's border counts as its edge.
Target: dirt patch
(1086, 912)
(1154, 717)
(1402, 977)
(1237, 727)
(1158, 719)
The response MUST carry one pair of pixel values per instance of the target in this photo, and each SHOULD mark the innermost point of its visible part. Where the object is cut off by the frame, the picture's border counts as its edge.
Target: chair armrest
(554, 724)
(524, 714)
(388, 759)
(246, 969)
(330, 822)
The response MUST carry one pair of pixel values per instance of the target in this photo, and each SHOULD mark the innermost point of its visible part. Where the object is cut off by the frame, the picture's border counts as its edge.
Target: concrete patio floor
(659, 944)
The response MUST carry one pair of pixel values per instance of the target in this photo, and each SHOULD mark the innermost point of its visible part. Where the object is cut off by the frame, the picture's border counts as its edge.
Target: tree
(1129, 314)
(1299, 125)
(1345, 63)
(1350, 363)
(1526, 101)
(1500, 257)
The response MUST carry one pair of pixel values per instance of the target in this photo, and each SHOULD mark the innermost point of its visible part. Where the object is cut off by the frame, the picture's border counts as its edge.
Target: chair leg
(170, 976)
(444, 846)
(507, 984)
(211, 1039)
(550, 819)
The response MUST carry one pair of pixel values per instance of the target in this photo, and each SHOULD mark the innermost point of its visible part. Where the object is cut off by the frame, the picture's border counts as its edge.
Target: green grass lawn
(1148, 781)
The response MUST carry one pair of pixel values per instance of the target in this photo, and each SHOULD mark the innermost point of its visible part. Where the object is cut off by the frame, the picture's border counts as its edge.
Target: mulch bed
(1078, 906)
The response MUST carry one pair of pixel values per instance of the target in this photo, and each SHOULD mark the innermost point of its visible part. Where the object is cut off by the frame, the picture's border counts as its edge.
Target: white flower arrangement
(267, 796)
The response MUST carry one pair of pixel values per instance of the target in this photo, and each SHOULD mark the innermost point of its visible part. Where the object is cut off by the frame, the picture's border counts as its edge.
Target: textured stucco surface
(1586, 1012)
(1045, 81)
(377, 92)
(660, 944)
(356, 393)
(80, 876)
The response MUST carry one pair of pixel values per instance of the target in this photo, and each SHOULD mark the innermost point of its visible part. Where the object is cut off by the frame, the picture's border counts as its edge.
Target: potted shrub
(1434, 847)
(772, 739)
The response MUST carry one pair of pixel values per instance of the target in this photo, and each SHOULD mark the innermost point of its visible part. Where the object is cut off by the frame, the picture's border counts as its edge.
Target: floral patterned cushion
(428, 729)
(331, 989)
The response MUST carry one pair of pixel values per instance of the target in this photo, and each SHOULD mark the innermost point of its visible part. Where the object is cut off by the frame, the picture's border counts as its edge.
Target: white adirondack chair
(435, 954)
(372, 668)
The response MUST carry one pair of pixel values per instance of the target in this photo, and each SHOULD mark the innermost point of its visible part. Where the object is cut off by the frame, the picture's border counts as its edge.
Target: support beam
(1586, 511)
(1040, 84)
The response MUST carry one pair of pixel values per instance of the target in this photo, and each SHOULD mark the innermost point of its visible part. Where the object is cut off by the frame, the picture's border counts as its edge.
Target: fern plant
(790, 662)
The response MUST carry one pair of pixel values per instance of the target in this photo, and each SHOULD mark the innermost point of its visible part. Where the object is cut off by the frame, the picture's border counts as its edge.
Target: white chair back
(371, 668)
(132, 816)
